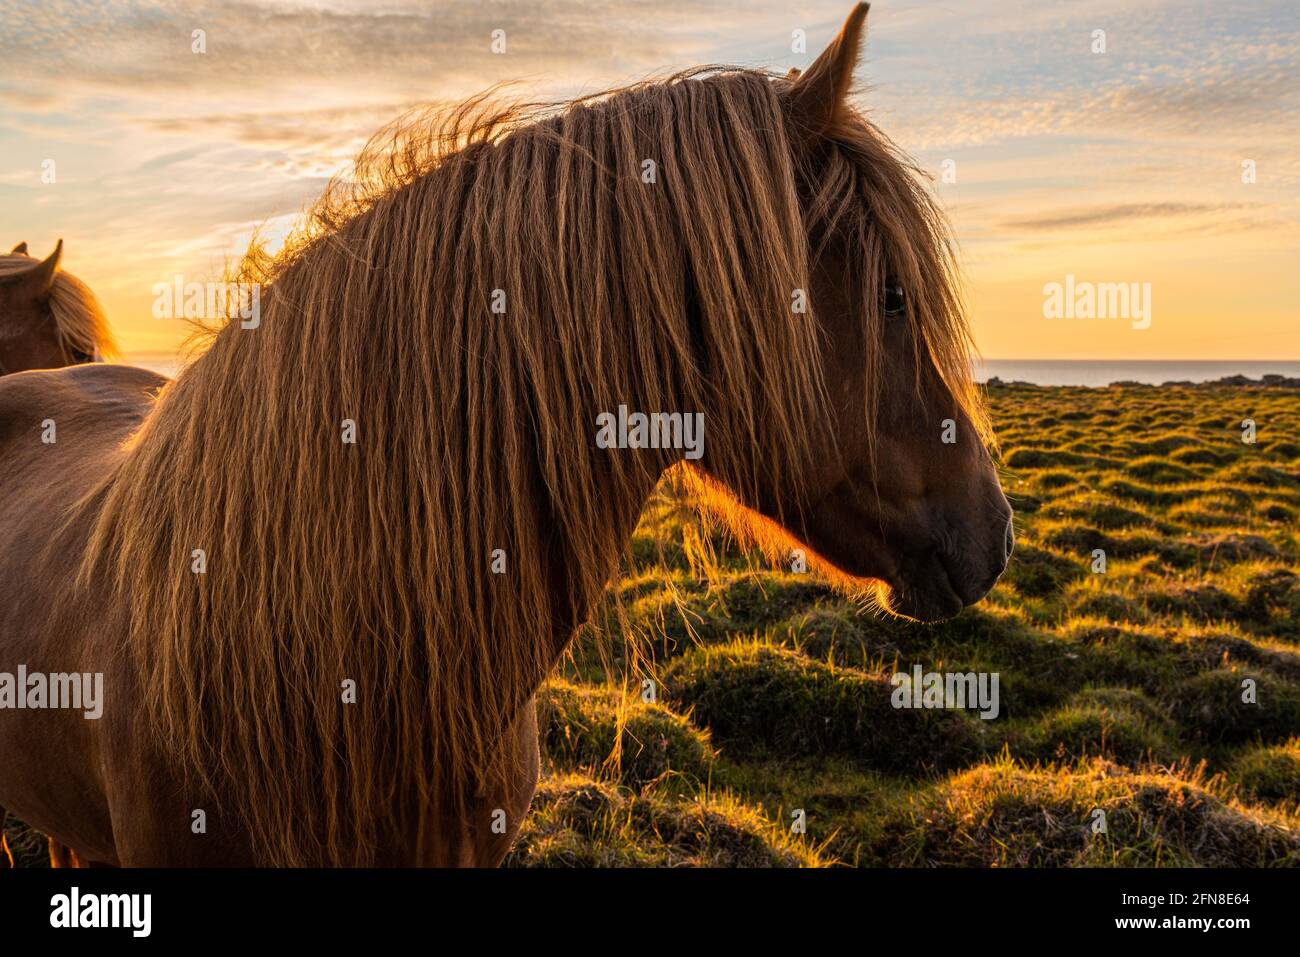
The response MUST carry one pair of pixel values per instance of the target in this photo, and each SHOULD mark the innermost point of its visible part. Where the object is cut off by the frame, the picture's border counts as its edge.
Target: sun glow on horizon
(1169, 158)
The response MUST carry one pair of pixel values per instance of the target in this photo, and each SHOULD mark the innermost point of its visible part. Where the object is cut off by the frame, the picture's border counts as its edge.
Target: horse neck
(575, 577)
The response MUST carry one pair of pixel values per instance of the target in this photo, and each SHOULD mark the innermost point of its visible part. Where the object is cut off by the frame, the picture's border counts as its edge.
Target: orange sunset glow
(1161, 150)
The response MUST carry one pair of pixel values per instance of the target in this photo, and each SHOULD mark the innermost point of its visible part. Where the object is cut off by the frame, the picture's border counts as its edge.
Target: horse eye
(895, 303)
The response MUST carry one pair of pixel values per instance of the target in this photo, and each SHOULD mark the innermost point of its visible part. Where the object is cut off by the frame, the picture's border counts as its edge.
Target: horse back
(61, 430)
(87, 405)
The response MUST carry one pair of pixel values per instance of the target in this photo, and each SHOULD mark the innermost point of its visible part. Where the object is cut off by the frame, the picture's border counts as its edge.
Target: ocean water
(1038, 371)
(164, 363)
(1103, 372)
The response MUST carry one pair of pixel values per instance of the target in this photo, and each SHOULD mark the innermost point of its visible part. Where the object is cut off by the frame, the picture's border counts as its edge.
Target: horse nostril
(1011, 541)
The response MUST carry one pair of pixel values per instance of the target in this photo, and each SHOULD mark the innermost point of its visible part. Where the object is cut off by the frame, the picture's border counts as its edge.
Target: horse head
(48, 318)
(897, 485)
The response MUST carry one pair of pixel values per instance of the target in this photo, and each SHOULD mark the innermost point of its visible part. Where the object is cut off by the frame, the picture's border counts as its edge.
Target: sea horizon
(1096, 373)
(1103, 372)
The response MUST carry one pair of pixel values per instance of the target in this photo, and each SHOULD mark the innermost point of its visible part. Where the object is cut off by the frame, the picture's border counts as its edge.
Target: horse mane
(78, 316)
(475, 432)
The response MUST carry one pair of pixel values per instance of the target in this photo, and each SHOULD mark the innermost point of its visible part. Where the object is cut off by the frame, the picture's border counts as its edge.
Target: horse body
(330, 648)
(103, 786)
(93, 408)
(48, 319)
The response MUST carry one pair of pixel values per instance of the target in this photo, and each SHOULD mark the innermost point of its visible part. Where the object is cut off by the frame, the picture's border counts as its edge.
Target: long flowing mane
(81, 323)
(373, 562)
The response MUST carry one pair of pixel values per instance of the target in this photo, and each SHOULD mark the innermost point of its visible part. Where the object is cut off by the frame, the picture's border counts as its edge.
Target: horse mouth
(930, 594)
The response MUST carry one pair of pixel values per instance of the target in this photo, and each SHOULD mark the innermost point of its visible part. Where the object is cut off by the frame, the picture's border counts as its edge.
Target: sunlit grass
(1120, 691)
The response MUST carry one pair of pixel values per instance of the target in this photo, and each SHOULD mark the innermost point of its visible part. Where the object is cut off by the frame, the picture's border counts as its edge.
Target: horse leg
(63, 856)
(6, 857)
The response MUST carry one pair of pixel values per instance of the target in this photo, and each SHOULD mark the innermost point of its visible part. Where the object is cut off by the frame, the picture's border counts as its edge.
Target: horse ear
(19, 250)
(818, 94)
(35, 283)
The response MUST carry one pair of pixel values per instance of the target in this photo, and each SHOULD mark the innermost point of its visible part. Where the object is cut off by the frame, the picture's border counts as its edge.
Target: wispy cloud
(167, 159)
(1119, 214)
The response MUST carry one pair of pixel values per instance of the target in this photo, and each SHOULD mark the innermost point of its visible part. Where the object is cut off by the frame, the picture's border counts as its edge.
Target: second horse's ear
(34, 284)
(819, 93)
(19, 250)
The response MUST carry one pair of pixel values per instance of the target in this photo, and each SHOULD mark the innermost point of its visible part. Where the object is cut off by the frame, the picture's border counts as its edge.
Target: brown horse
(324, 571)
(48, 318)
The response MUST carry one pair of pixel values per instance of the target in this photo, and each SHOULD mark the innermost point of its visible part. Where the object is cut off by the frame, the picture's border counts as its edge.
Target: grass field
(1121, 692)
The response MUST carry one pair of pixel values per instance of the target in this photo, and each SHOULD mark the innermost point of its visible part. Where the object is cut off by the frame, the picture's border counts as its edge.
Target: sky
(1054, 156)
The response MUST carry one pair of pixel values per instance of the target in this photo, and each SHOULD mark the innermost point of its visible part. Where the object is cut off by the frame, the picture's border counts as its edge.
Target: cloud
(318, 129)
(124, 46)
(164, 154)
(1117, 214)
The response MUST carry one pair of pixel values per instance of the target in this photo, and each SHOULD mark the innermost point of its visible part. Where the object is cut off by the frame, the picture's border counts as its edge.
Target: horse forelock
(873, 194)
(376, 562)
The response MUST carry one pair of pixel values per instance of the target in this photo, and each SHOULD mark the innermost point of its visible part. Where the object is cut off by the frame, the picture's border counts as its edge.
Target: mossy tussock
(1235, 705)
(838, 633)
(620, 735)
(762, 700)
(1004, 814)
(1269, 773)
(670, 621)
(579, 822)
(1120, 724)
(1040, 572)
